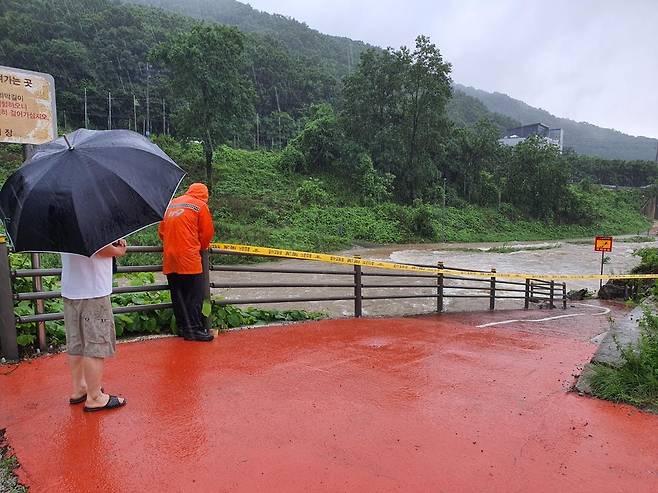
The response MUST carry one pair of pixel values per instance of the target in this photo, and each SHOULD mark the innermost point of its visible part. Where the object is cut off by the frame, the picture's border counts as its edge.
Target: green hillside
(341, 55)
(338, 53)
(254, 202)
(582, 137)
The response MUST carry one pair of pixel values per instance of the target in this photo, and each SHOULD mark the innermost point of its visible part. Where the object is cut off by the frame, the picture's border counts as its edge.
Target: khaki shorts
(89, 327)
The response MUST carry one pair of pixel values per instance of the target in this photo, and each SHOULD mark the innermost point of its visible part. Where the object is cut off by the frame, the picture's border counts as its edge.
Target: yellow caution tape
(338, 259)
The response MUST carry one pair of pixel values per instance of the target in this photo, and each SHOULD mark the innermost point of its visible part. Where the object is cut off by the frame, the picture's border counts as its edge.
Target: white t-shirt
(86, 277)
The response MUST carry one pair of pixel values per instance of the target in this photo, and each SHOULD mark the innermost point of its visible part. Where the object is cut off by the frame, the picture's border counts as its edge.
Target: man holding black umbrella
(89, 323)
(76, 196)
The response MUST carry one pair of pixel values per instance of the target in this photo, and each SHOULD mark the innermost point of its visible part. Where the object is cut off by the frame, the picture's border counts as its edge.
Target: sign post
(28, 116)
(602, 244)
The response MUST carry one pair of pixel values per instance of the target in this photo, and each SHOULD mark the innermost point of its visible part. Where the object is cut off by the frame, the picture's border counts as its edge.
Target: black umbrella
(81, 192)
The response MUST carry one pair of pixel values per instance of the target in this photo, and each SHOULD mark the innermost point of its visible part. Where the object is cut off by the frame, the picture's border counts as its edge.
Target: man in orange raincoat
(185, 231)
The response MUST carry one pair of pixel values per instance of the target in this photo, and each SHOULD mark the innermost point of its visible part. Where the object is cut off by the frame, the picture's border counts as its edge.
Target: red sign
(603, 244)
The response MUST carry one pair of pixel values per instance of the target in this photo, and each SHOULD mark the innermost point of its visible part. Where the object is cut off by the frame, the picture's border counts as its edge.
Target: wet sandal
(81, 399)
(78, 400)
(112, 403)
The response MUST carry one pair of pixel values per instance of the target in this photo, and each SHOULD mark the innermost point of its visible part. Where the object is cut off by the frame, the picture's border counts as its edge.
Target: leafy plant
(226, 317)
(636, 380)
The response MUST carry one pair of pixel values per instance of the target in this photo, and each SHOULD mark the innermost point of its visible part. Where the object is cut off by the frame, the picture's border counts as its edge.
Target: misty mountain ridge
(341, 54)
(582, 137)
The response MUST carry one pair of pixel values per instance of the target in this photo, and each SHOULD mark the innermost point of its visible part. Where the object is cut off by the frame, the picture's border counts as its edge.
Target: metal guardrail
(532, 290)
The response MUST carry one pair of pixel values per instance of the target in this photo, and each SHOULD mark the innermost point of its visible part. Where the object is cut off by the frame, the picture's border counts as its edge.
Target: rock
(577, 294)
(612, 290)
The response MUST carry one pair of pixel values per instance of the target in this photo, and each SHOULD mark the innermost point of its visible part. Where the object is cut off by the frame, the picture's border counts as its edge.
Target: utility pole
(257, 131)
(445, 190)
(86, 114)
(278, 109)
(164, 118)
(349, 59)
(148, 105)
(135, 111)
(109, 110)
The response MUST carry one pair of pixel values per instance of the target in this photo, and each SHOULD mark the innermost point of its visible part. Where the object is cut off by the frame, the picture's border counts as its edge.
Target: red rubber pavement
(410, 404)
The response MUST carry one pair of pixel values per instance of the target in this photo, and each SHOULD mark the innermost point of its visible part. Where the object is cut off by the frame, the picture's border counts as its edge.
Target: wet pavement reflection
(429, 403)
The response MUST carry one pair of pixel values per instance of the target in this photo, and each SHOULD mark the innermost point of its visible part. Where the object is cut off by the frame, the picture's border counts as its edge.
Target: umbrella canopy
(81, 192)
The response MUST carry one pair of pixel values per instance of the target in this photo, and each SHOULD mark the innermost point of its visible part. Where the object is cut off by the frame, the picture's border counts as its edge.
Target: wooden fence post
(551, 306)
(8, 334)
(564, 295)
(358, 300)
(492, 291)
(439, 289)
(39, 306)
(527, 294)
(205, 265)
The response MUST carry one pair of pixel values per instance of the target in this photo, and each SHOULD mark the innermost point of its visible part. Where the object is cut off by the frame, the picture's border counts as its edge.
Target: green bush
(291, 159)
(421, 221)
(312, 192)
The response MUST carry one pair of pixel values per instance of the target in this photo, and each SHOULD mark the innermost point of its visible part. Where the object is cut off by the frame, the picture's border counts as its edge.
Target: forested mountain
(339, 54)
(342, 54)
(582, 137)
(102, 46)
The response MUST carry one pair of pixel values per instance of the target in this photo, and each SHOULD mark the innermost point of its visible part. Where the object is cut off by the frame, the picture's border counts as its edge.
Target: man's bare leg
(93, 371)
(77, 377)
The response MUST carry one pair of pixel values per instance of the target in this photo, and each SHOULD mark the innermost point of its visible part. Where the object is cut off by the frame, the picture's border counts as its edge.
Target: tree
(474, 165)
(537, 178)
(394, 107)
(206, 75)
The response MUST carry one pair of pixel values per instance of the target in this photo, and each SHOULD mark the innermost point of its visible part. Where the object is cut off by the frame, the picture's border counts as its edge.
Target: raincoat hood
(198, 191)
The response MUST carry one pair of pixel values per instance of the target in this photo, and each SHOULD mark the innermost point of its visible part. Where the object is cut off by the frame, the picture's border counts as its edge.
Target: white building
(515, 135)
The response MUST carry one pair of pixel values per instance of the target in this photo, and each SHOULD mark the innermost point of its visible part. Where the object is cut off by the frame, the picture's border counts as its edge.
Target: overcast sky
(588, 60)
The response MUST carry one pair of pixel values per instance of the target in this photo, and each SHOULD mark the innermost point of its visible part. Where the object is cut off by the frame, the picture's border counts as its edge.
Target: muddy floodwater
(545, 257)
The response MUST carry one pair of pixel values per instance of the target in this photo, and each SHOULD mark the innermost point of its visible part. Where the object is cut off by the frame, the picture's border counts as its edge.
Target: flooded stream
(554, 257)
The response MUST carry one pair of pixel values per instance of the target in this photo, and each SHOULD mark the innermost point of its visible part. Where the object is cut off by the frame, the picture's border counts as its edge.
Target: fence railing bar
(511, 298)
(402, 296)
(125, 269)
(37, 272)
(273, 270)
(50, 317)
(280, 300)
(540, 281)
(144, 249)
(466, 296)
(45, 295)
(280, 285)
(374, 286)
(397, 274)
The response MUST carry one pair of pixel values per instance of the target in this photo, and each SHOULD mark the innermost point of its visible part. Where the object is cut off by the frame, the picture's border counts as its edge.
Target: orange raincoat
(186, 229)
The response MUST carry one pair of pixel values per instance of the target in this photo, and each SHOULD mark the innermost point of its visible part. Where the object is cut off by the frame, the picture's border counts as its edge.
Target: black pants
(187, 298)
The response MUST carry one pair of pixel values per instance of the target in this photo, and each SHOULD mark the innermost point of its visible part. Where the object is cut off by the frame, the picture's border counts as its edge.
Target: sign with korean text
(603, 244)
(28, 113)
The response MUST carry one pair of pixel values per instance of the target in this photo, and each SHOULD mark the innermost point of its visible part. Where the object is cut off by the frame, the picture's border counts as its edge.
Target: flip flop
(81, 399)
(112, 403)
(78, 400)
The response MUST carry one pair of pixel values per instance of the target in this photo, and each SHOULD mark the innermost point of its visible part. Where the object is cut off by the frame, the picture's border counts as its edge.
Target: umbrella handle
(68, 143)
